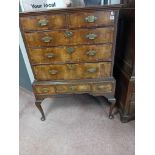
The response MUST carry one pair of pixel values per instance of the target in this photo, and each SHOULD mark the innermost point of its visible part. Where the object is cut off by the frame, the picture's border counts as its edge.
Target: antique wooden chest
(71, 51)
(124, 68)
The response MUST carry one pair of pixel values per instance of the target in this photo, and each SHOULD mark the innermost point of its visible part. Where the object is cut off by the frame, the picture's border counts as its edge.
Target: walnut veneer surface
(71, 51)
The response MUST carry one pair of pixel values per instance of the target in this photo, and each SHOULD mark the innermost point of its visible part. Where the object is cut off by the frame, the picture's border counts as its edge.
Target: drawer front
(44, 22)
(92, 36)
(106, 87)
(52, 38)
(44, 89)
(85, 53)
(70, 37)
(72, 71)
(88, 19)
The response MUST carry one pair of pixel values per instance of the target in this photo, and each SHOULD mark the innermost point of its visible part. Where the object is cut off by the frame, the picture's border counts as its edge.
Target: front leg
(38, 105)
(112, 101)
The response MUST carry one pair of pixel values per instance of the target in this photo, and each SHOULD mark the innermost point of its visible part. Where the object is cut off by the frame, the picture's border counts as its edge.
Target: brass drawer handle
(92, 70)
(45, 90)
(71, 66)
(50, 55)
(72, 88)
(90, 19)
(70, 50)
(43, 22)
(91, 53)
(91, 36)
(68, 34)
(46, 39)
(53, 72)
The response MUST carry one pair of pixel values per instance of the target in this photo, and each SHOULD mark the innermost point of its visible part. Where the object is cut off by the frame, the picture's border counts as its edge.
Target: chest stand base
(110, 98)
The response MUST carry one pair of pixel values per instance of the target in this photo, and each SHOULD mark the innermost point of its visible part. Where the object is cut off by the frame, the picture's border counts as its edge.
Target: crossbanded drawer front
(44, 89)
(104, 87)
(70, 37)
(43, 22)
(87, 53)
(91, 19)
(73, 71)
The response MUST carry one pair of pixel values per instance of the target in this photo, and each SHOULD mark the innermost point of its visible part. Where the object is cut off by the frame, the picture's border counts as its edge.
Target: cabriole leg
(112, 101)
(38, 105)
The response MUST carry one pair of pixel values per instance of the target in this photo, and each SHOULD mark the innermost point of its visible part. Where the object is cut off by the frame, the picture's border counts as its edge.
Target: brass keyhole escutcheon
(71, 66)
(72, 88)
(68, 34)
(70, 50)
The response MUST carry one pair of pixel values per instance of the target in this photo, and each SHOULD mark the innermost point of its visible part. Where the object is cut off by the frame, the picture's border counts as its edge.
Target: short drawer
(44, 89)
(102, 87)
(87, 53)
(72, 71)
(70, 37)
(43, 22)
(91, 19)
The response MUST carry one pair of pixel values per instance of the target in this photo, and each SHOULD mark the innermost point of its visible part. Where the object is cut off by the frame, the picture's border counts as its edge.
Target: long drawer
(71, 54)
(72, 71)
(104, 87)
(71, 20)
(70, 37)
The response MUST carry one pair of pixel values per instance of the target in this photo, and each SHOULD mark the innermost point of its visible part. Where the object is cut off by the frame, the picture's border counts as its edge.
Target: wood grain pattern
(73, 71)
(54, 21)
(44, 89)
(124, 68)
(71, 51)
(105, 87)
(72, 88)
(72, 20)
(103, 35)
(87, 53)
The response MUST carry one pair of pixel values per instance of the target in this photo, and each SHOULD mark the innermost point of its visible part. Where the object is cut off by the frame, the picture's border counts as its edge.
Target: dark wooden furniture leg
(38, 105)
(112, 101)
